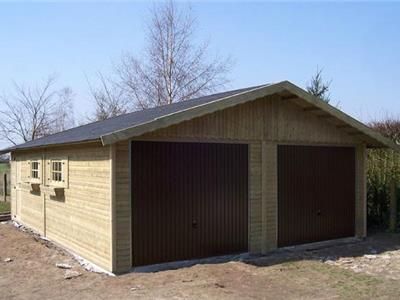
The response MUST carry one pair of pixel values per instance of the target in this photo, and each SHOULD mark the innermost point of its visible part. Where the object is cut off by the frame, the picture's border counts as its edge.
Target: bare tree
(172, 68)
(389, 127)
(318, 87)
(109, 99)
(63, 116)
(35, 111)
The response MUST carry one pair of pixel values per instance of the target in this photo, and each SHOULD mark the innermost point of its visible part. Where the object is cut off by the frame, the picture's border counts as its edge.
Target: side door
(16, 188)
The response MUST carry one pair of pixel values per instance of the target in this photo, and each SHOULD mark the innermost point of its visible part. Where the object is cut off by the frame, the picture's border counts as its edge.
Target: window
(35, 170)
(57, 170)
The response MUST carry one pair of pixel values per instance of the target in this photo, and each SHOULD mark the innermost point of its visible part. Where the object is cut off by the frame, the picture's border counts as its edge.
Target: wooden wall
(94, 220)
(269, 119)
(80, 221)
(361, 191)
(255, 204)
(123, 209)
(263, 124)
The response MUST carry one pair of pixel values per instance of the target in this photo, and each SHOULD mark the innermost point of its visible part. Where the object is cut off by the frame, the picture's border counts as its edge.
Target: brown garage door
(316, 193)
(189, 200)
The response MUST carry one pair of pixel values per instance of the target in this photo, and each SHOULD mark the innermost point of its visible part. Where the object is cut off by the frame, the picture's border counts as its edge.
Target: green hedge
(383, 167)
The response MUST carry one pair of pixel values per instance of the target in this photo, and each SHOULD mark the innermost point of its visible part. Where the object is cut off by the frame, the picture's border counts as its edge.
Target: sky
(357, 45)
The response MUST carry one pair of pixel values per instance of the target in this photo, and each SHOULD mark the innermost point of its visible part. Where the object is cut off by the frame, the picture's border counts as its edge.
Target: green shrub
(383, 167)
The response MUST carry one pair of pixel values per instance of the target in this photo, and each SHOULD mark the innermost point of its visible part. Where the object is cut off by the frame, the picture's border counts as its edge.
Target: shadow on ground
(333, 252)
(374, 245)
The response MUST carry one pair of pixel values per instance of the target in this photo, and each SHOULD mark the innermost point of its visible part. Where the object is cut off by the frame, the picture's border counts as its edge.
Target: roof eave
(5, 151)
(14, 149)
(381, 141)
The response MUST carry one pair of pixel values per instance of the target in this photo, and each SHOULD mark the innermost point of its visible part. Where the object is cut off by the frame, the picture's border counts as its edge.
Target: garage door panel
(316, 193)
(189, 200)
(163, 227)
(221, 209)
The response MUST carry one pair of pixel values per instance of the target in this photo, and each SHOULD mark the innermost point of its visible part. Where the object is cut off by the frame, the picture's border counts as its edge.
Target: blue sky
(357, 44)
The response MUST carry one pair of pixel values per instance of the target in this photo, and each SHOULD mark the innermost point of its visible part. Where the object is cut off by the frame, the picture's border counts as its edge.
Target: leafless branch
(34, 111)
(109, 99)
(173, 66)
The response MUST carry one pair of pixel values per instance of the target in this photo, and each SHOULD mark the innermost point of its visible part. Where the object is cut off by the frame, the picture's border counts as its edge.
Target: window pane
(56, 176)
(56, 166)
(35, 169)
(56, 170)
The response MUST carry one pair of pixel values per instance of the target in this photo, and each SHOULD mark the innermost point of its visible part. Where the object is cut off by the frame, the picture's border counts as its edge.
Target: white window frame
(57, 171)
(50, 172)
(39, 178)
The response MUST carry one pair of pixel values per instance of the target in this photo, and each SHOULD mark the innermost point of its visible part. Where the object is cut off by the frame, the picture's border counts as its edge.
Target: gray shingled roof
(94, 131)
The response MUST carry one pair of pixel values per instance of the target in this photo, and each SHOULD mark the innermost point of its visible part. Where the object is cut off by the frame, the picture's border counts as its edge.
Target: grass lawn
(4, 168)
(4, 207)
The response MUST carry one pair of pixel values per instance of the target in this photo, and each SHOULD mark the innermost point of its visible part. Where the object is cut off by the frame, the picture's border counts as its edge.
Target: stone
(8, 259)
(136, 288)
(369, 256)
(63, 266)
(385, 256)
(346, 261)
(69, 274)
(330, 262)
(356, 269)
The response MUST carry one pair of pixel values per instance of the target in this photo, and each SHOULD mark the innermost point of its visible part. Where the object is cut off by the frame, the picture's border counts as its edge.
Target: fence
(5, 186)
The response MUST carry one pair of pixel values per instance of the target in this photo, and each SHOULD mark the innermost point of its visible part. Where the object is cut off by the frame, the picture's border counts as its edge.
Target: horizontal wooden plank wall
(267, 122)
(123, 209)
(269, 119)
(361, 190)
(80, 222)
(269, 193)
(13, 193)
(255, 204)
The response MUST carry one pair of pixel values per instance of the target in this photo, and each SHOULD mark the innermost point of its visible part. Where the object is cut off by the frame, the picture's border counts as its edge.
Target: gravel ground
(360, 270)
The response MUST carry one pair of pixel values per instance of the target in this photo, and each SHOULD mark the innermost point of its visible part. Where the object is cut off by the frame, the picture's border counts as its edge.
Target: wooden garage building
(248, 170)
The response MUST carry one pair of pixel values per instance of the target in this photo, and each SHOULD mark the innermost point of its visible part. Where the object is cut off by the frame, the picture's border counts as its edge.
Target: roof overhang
(291, 92)
(12, 149)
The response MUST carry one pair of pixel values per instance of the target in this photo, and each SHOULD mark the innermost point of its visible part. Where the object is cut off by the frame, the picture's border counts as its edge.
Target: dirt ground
(367, 269)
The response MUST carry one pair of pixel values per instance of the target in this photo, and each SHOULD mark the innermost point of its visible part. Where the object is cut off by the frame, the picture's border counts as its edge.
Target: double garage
(191, 199)
(249, 170)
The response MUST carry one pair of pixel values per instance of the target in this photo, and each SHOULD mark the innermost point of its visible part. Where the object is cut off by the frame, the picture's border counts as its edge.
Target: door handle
(194, 224)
